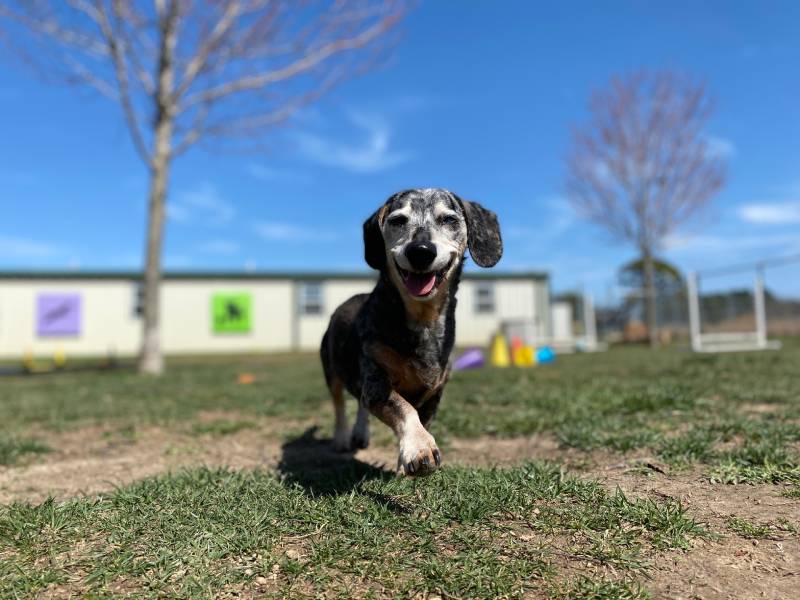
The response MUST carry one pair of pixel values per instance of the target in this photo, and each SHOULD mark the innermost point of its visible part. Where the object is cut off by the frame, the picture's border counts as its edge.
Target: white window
(484, 297)
(311, 302)
(138, 299)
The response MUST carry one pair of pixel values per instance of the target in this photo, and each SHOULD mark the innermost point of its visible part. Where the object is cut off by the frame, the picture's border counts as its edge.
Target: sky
(476, 96)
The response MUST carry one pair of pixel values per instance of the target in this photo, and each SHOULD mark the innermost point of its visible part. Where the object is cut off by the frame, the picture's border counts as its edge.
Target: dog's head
(419, 237)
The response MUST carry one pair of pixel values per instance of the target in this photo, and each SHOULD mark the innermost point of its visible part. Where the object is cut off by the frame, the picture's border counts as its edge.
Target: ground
(627, 474)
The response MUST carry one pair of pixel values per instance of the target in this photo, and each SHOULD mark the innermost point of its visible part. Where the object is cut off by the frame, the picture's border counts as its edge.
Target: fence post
(590, 322)
(694, 312)
(761, 309)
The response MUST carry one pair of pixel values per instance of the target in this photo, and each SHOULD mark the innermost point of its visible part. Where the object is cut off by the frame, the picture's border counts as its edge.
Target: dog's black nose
(420, 254)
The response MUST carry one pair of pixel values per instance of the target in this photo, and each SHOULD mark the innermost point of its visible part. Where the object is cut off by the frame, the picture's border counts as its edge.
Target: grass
(218, 427)
(354, 530)
(758, 531)
(14, 449)
(736, 414)
(465, 532)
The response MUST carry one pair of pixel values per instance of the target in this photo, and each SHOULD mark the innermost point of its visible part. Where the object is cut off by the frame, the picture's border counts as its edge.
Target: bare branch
(641, 167)
(200, 60)
(304, 64)
(121, 72)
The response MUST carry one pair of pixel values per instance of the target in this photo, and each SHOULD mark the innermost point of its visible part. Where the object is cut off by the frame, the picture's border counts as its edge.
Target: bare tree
(643, 165)
(186, 71)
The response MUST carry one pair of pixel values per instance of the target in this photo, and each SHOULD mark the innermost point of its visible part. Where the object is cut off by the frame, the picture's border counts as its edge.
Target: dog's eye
(448, 220)
(398, 221)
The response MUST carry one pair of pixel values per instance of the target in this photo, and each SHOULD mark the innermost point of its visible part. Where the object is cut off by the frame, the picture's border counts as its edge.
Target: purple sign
(58, 314)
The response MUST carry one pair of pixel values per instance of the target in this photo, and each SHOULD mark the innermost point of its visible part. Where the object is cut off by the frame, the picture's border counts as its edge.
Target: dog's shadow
(311, 463)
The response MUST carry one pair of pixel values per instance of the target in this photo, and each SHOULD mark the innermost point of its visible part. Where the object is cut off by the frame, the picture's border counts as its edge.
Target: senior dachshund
(391, 348)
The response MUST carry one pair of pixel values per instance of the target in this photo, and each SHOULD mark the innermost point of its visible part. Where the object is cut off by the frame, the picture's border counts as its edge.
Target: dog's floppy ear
(374, 249)
(483, 234)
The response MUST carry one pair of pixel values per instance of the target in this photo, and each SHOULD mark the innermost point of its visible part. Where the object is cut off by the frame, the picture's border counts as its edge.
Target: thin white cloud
(711, 244)
(18, 247)
(720, 147)
(771, 213)
(555, 217)
(285, 232)
(272, 174)
(371, 154)
(219, 247)
(203, 205)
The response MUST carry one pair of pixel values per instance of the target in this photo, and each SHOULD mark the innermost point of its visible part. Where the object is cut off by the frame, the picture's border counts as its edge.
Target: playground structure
(729, 308)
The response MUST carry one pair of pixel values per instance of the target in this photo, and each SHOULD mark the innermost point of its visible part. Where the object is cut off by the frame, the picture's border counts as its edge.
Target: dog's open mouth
(421, 285)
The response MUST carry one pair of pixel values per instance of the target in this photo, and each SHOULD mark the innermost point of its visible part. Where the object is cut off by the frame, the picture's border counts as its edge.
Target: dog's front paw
(419, 454)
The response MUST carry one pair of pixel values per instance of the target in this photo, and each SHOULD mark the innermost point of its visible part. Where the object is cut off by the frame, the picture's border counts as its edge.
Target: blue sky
(478, 96)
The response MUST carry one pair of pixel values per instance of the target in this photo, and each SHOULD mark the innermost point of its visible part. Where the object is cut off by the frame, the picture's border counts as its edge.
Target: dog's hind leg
(341, 432)
(360, 437)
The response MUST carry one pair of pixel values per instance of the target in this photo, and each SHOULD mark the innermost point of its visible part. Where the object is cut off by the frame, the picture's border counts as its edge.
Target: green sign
(231, 313)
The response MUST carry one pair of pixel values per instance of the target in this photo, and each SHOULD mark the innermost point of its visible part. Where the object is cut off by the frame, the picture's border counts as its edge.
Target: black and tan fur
(390, 348)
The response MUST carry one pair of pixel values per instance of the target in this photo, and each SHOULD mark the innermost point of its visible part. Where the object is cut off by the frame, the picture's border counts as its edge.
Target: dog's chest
(416, 378)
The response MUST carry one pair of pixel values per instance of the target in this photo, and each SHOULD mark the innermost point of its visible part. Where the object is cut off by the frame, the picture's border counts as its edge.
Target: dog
(391, 348)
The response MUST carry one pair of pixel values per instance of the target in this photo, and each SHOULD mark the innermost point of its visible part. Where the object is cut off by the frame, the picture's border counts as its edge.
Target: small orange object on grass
(246, 378)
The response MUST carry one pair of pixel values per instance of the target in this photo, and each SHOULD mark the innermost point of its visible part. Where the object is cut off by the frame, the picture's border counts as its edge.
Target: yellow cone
(499, 354)
(28, 361)
(60, 358)
(524, 356)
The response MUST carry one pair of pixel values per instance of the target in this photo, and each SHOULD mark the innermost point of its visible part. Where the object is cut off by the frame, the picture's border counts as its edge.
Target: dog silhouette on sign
(232, 311)
(56, 313)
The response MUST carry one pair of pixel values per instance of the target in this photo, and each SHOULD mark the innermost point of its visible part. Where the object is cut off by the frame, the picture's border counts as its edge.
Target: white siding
(186, 317)
(334, 291)
(109, 322)
(514, 299)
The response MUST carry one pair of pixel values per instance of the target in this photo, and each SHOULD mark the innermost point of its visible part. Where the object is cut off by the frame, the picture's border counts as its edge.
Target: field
(628, 474)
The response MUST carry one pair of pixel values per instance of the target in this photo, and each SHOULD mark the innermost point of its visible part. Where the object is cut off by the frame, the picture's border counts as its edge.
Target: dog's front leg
(419, 454)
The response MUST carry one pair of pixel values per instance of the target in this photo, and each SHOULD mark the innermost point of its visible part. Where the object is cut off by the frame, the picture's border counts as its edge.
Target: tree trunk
(151, 360)
(650, 306)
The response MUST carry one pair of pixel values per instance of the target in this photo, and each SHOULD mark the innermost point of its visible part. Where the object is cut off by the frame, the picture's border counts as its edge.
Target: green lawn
(354, 530)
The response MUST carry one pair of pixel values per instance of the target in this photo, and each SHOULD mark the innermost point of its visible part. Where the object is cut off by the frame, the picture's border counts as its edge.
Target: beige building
(91, 314)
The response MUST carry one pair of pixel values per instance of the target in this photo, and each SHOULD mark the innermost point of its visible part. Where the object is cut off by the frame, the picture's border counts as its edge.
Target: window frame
(484, 298)
(307, 305)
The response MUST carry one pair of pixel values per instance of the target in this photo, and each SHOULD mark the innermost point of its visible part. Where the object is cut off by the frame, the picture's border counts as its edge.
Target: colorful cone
(499, 353)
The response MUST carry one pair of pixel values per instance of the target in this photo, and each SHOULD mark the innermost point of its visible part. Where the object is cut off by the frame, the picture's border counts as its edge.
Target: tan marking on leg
(419, 454)
(341, 432)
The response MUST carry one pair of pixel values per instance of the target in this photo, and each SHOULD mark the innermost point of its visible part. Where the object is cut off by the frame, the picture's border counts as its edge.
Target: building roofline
(243, 275)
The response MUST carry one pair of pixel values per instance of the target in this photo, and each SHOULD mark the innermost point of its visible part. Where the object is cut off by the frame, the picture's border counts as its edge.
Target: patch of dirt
(95, 460)
(728, 568)
(731, 569)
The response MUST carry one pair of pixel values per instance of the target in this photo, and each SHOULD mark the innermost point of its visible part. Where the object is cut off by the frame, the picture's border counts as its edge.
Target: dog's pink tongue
(420, 284)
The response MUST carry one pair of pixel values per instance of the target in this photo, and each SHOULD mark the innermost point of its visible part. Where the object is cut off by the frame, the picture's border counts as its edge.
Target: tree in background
(186, 71)
(667, 280)
(670, 289)
(643, 166)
